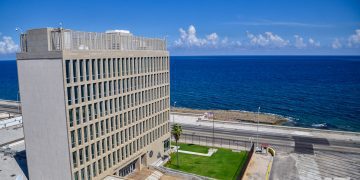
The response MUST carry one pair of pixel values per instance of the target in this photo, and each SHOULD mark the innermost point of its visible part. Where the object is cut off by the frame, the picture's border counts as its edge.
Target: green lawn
(192, 147)
(224, 164)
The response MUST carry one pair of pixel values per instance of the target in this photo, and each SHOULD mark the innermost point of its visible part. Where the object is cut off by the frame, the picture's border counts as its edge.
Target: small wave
(320, 125)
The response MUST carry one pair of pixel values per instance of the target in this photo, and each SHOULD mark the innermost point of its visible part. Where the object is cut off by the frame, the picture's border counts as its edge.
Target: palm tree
(176, 132)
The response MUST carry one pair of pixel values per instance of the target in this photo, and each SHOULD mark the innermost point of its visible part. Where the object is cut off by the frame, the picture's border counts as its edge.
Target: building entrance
(127, 169)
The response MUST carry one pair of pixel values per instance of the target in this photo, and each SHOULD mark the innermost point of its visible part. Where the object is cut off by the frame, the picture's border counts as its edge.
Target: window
(94, 169)
(95, 110)
(97, 129)
(89, 112)
(82, 174)
(71, 117)
(76, 175)
(69, 95)
(74, 71)
(98, 68)
(76, 91)
(87, 153)
(81, 158)
(88, 172)
(79, 136)
(74, 154)
(72, 133)
(87, 69)
(85, 134)
(88, 88)
(94, 90)
(83, 110)
(81, 67)
(93, 151)
(67, 68)
(104, 68)
(82, 87)
(100, 85)
(93, 69)
(91, 132)
(77, 114)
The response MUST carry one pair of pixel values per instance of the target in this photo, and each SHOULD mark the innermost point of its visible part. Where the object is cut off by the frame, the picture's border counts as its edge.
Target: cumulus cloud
(189, 38)
(336, 44)
(354, 40)
(267, 39)
(212, 38)
(314, 43)
(7, 45)
(299, 42)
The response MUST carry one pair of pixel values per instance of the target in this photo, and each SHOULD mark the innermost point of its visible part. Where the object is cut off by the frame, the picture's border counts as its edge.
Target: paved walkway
(258, 166)
(211, 151)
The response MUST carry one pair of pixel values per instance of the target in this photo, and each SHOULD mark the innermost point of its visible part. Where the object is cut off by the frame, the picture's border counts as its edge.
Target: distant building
(93, 104)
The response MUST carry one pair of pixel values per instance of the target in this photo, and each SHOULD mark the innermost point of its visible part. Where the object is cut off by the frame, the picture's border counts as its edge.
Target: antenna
(19, 29)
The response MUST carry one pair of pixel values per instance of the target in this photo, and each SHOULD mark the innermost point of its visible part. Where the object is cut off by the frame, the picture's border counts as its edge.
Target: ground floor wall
(144, 158)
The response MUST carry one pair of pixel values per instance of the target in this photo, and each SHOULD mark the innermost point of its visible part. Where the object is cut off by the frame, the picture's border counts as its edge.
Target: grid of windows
(116, 107)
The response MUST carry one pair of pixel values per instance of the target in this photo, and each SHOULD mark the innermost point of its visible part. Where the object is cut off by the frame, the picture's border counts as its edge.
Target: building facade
(94, 104)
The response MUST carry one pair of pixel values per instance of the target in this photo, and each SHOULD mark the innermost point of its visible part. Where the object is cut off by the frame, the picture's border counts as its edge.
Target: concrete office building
(94, 104)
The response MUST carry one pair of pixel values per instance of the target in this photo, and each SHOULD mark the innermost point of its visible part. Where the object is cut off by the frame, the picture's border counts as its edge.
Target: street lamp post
(213, 139)
(173, 114)
(18, 101)
(257, 129)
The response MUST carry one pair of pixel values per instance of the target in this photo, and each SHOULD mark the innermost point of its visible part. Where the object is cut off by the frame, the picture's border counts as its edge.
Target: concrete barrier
(271, 151)
(10, 122)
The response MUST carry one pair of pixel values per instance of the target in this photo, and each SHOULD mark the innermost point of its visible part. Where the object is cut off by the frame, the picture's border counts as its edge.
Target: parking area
(309, 163)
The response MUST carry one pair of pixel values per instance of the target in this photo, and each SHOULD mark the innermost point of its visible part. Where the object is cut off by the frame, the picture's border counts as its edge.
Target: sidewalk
(193, 119)
(258, 166)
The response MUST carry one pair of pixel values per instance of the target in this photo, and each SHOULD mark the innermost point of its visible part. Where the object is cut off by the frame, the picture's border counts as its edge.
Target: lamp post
(173, 114)
(257, 129)
(213, 139)
(18, 101)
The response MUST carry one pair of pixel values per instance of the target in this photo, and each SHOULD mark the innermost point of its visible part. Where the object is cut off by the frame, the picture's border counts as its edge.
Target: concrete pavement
(301, 153)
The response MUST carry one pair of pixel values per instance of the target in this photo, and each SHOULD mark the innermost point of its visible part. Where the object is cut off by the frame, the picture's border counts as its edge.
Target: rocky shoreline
(240, 116)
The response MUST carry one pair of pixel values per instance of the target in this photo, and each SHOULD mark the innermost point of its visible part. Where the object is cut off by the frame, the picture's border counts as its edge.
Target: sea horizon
(310, 94)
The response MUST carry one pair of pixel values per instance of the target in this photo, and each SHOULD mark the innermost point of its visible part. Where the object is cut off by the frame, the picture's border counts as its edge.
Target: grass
(192, 147)
(224, 164)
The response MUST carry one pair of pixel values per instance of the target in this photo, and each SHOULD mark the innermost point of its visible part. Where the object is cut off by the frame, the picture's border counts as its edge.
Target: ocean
(311, 91)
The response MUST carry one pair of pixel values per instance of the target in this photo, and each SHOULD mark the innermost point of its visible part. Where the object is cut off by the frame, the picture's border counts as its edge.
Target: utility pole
(257, 143)
(174, 111)
(213, 144)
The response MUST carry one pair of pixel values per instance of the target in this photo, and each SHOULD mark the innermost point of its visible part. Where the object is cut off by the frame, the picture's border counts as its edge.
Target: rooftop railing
(62, 39)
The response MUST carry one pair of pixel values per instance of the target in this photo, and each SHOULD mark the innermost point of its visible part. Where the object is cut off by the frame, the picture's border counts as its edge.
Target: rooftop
(59, 39)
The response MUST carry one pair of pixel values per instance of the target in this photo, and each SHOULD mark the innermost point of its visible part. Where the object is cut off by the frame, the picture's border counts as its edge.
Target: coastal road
(298, 156)
(7, 106)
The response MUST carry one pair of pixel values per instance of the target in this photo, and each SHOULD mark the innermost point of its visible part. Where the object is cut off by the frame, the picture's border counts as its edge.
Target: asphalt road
(9, 106)
(298, 157)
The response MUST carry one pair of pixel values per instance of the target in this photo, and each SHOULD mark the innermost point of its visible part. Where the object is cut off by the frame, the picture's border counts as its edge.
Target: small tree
(176, 132)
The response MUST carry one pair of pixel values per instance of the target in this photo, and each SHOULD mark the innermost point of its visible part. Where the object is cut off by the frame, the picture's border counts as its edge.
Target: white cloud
(212, 38)
(299, 42)
(189, 38)
(8, 46)
(336, 44)
(225, 41)
(314, 43)
(354, 40)
(268, 39)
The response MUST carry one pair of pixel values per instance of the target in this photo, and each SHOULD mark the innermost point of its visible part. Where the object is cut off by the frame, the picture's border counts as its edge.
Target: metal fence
(192, 138)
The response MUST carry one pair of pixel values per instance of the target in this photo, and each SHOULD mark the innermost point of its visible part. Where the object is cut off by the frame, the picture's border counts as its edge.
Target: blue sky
(321, 27)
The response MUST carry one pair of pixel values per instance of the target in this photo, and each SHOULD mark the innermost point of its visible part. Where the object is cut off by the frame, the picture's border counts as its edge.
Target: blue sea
(311, 91)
